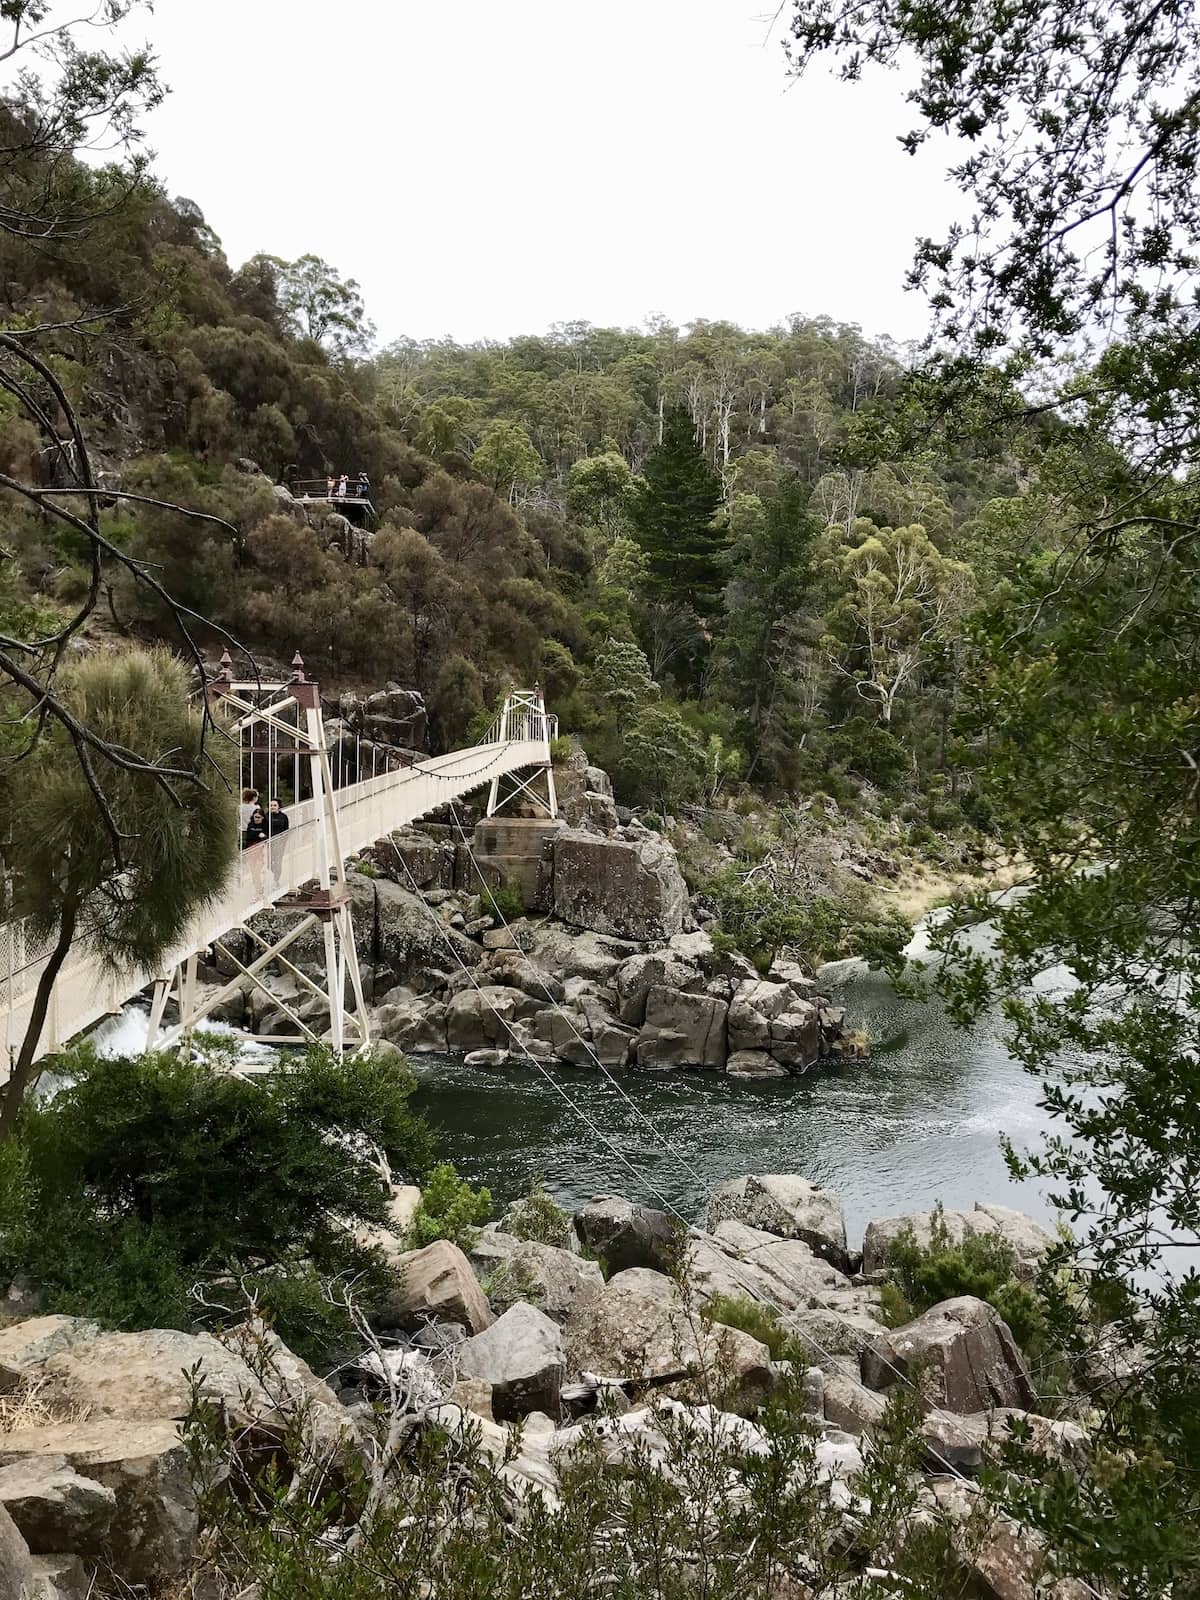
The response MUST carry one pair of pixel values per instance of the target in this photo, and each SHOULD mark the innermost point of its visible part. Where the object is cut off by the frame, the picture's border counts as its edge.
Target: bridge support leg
(158, 1005)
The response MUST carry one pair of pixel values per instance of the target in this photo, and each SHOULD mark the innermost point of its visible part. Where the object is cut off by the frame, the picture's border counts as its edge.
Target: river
(920, 1121)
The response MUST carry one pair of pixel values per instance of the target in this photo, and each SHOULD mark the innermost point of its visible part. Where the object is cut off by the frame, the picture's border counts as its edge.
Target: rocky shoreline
(548, 1330)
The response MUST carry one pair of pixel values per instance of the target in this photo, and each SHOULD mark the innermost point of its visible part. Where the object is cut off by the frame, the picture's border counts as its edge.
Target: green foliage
(320, 305)
(506, 457)
(503, 901)
(759, 1321)
(981, 1264)
(542, 1219)
(673, 514)
(660, 758)
(758, 918)
(449, 1209)
(144, 1175)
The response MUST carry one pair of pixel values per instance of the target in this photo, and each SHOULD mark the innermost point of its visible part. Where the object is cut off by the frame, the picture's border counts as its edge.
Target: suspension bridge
(300, 871)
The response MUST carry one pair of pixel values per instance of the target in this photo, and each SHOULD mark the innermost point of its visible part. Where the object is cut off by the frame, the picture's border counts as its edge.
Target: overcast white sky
(487, 167)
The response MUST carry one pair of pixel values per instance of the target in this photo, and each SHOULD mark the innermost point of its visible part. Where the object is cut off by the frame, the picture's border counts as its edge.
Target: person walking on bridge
(277, 827)
(246, 809)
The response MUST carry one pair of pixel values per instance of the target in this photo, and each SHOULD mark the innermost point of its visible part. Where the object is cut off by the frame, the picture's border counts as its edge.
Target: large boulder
(755, 1002)
(754, 1064)
(630, 886)
(145, 1465)
(55, 1507)
(584, 1033)
(796, 1036)
(788, 1206)
(576, 955)
(481, 1019)
(626, 1235)
(654, 969)
(682, 1030)
(26, 1344)
(641, 1328)
(408, 936)
(16, 1564)
(552, 1279)
(1028, 1239)
(520, 1357)
(258, 1383)
(411, 1022)
(962, 1353)
(436, 1284)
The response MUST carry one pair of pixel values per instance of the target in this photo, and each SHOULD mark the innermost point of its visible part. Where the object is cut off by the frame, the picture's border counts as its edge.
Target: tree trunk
(24, 1074)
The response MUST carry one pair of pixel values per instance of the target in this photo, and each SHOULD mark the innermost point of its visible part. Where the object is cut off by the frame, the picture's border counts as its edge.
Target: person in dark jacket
(256, 828)
(277, 819)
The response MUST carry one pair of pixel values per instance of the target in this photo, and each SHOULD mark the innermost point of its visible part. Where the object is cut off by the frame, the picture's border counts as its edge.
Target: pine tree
(673, 515)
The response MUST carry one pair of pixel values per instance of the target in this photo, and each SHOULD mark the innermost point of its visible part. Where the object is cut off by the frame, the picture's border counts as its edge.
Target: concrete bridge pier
(518, 852)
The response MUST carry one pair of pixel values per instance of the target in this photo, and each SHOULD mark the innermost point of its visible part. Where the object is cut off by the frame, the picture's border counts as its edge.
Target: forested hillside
(670, 529)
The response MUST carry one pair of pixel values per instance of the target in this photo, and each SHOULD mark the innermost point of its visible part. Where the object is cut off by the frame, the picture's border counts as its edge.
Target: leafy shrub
(146, 1175)
(561, 751)
(757, 918)
(542, 1219)
(449, 1209)
(502, 902)
(983, 1265)
(653, 821)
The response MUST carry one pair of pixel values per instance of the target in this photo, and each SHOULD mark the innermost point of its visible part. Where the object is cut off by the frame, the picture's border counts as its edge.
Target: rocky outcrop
(554, 1280)
(28, 1343)
(641, 1327)
(144, 1464)
(788, 1206)
(55, 1507)
(520, 1359)
(16, 1563)
(961, 1353)
(255, 1380)
(628, 885)
(682, 1030)
(626, 1235)
(393, 718)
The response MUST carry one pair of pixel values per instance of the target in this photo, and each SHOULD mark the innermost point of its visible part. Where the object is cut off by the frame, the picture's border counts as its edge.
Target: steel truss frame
(327, 907)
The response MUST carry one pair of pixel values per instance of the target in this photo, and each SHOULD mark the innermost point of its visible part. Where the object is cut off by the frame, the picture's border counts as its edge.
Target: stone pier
(518, 852)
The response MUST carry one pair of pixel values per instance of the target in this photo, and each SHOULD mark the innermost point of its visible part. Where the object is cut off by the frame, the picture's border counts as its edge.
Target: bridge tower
(291, 724)
(523, 717)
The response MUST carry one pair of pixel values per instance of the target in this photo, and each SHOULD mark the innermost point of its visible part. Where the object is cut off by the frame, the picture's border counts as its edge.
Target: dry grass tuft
(32, 1406)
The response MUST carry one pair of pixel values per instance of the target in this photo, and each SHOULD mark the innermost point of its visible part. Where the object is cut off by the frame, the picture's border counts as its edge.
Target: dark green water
(921, 1121)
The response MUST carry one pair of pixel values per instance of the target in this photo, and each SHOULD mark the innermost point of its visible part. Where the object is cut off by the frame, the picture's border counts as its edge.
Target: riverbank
(920, 887)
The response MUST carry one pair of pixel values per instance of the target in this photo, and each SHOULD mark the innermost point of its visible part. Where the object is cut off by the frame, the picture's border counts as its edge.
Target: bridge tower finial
(298, 668)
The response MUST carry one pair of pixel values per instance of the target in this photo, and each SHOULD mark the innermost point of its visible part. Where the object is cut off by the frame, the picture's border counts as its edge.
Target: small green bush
(503, 902)
(449, 1209)
(542, 1219)
(561, 751)
(983, 1265)
(652, 820)
(761, 1323)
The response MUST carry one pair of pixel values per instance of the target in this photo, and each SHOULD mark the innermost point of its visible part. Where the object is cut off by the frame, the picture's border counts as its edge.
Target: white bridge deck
(85, 992)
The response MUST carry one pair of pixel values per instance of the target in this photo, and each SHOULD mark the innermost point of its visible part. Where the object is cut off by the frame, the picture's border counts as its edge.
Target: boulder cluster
(614, 1312)
(448, 974)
